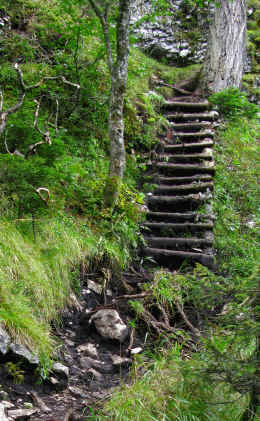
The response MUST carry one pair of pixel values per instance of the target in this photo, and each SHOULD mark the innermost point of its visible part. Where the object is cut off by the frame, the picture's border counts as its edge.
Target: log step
(210, 116)
(173, 258)
(207, 154)
(187, 226)
(183, 180)
(169, 242)
(193, 135)
(183, 188)
(193, 125)
(176, 216)
(205, 143)
(182, 105)
(186, 169)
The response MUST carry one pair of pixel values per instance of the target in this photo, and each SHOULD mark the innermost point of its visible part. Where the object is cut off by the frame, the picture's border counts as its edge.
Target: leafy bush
(233, 103)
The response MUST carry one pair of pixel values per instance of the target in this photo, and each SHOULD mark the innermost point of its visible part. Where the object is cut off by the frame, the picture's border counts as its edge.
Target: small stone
(93, 286)
(120, 361)
(77, 392)
(98, 376)
(3, 417)
(89, 349)
(109, 325)
(136, 350)
(60, 369)
(87, 363)
(7, 404)
(21, 413)
(53, 381)
(4, 341)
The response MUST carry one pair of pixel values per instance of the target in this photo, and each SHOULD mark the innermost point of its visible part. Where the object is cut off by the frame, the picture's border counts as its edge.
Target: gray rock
(120, 361)
(88, 349)
(93, 286)
(5, 341)
(76, 391)
(22, 351)
(60, 369)
(109, 325)
(3, 416)
(135, 351)
(98, 376)
(88, 363)
(21, 414)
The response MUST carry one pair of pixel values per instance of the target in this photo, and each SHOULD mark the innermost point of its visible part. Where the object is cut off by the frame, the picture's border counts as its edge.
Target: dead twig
(195, 331)
(133, 296)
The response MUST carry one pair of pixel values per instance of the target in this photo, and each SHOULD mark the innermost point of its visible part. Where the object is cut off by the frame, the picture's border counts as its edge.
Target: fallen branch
(133, 296)
(195, 331)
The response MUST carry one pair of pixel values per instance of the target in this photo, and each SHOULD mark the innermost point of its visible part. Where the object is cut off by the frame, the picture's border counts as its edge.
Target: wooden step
(210, 116)
(192, 135)
(183, 105)
(176, 216)
(176, 242)
(204, 143)
(173, 258)
(183, 180)
(181, 227)
(207, 154)
(193, 125)
(186, 169)
(183, 188)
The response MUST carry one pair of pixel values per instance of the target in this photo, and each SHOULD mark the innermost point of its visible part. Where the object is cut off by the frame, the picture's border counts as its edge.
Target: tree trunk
(117, 95)
(224, 62)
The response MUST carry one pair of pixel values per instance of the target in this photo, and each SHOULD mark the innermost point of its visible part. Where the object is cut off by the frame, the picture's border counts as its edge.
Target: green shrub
(233, 104)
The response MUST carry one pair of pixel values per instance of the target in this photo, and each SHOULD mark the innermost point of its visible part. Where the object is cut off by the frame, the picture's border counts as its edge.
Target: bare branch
(1, 101)
(103, 20)
(39, 192)
(57, 115)
(195, 331)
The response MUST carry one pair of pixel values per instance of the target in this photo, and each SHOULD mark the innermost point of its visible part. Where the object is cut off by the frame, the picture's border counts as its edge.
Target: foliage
(234, 104)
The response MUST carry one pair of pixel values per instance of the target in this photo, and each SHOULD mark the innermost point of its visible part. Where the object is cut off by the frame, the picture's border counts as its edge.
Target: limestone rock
(109, 325)
(60, 369)
(88, 349)
(22, 351)
(3, 417)
(4, 341)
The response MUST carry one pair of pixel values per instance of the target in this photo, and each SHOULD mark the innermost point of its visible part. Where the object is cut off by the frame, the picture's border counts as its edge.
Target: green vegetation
(217, 381)
(59, 145)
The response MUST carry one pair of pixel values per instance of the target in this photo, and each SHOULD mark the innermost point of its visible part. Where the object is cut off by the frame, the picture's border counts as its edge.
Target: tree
(226, 51)
(118, 70)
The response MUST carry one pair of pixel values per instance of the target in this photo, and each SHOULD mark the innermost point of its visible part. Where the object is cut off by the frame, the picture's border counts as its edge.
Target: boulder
(109, 325)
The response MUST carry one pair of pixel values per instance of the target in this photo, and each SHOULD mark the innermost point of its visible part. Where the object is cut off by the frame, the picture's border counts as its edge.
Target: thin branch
(39, 192)
(127, 297)
(57, 116)
(1, 101)
(186, 320)
(103, 21)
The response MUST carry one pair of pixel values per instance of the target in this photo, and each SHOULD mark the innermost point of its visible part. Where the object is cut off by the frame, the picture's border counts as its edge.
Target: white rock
(119, 361)
(93, 286)
(3, 417)
(109, 325)
(89, 349)
(136, 350)
(60, 369)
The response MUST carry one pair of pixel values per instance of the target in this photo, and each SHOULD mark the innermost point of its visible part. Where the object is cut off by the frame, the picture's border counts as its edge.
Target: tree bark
(226, 54)
(119, 73)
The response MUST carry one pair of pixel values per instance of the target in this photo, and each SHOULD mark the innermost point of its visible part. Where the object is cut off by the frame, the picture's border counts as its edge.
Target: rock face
(109, 325)
(18, 350)
(180, 36)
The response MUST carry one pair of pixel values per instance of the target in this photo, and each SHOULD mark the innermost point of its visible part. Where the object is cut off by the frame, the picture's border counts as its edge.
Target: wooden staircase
(179, 223)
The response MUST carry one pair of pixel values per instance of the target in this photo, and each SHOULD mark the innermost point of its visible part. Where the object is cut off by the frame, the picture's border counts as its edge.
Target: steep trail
(179, 223)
